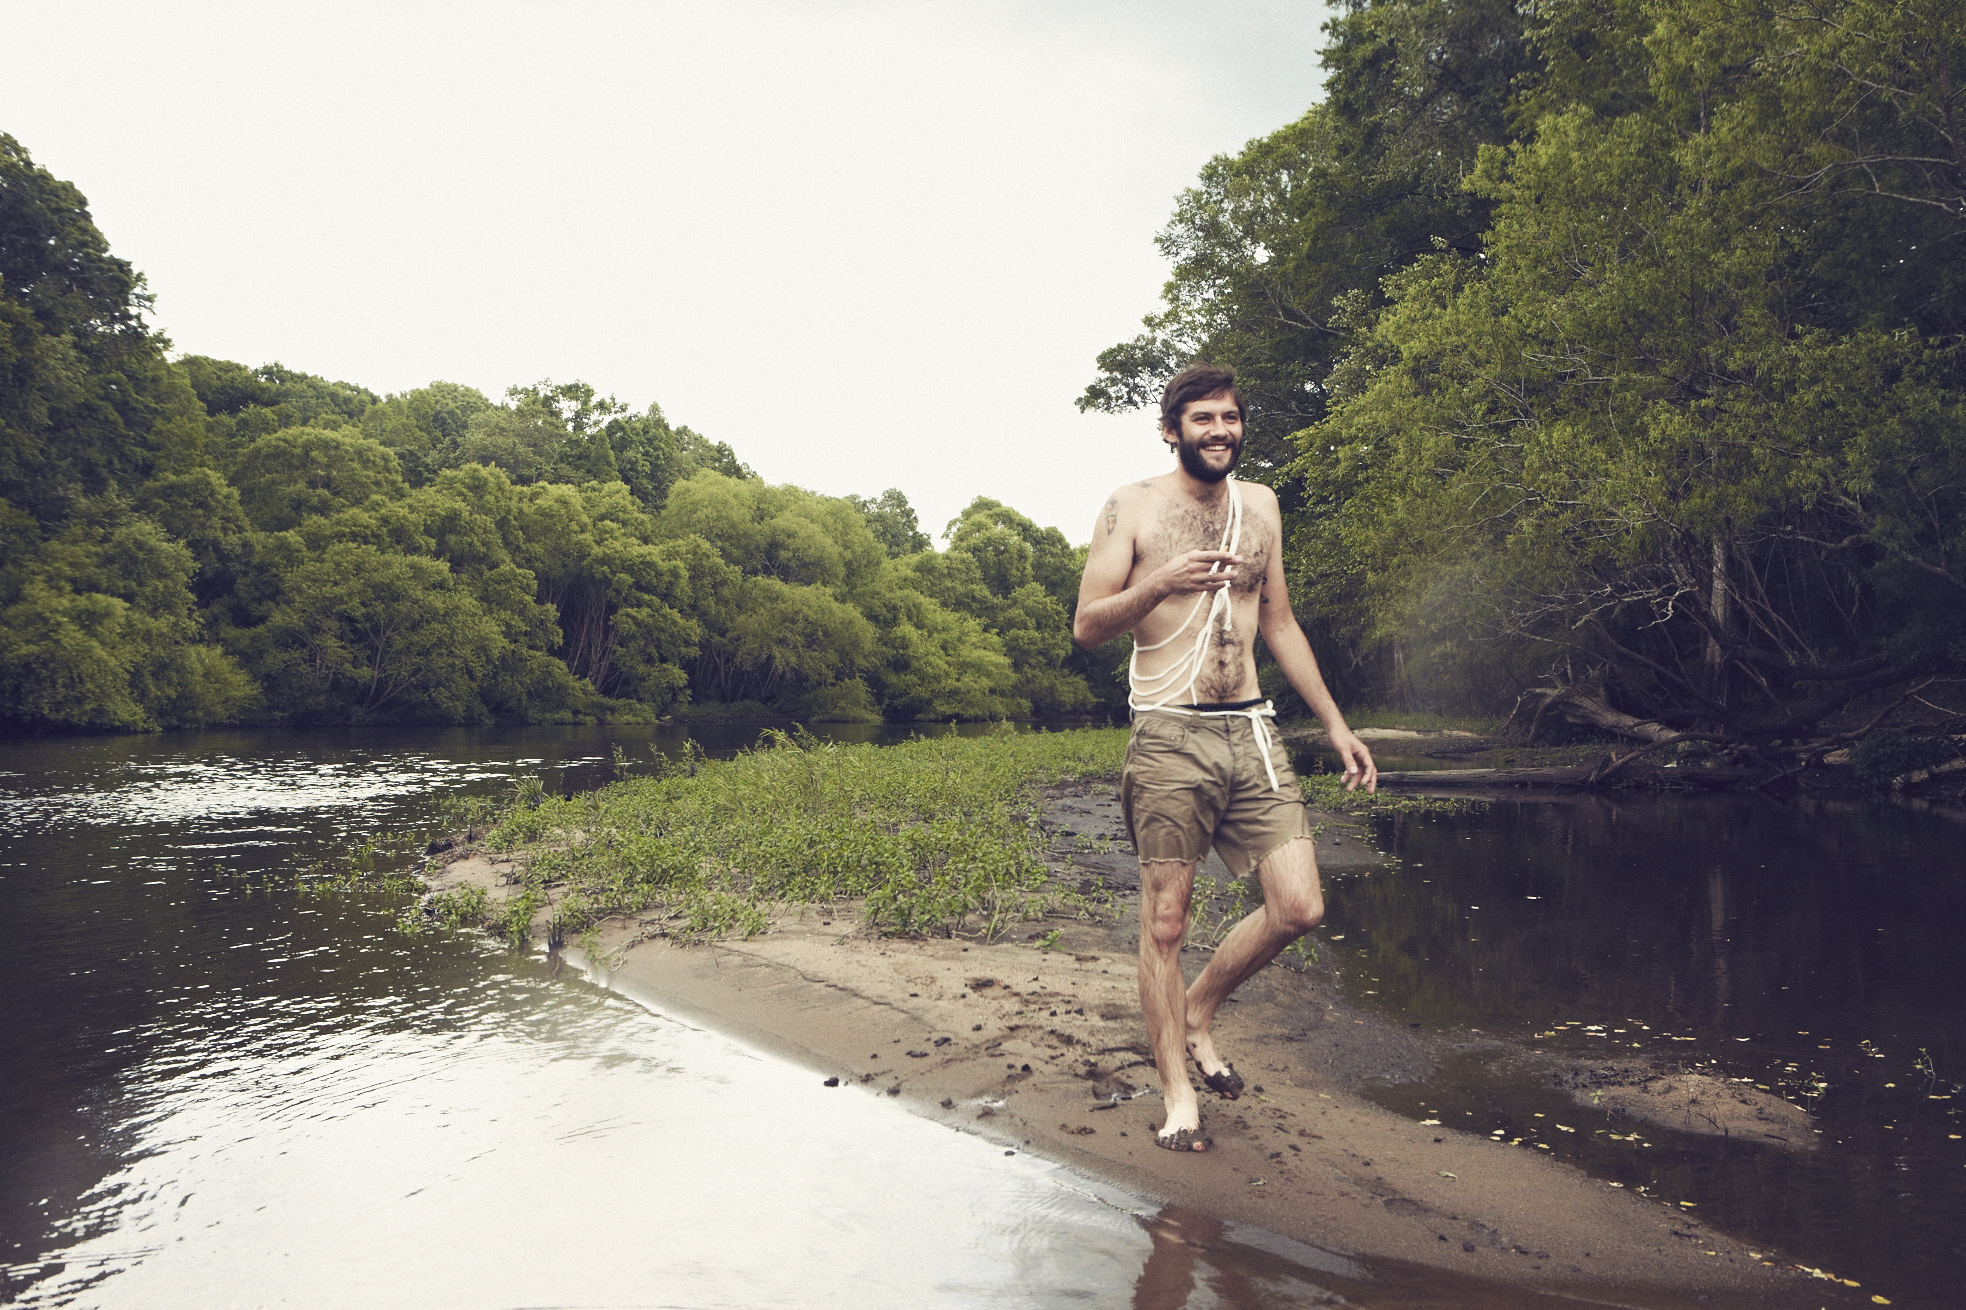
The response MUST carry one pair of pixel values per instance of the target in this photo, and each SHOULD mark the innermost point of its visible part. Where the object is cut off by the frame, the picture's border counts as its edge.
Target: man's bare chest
(1177, 529)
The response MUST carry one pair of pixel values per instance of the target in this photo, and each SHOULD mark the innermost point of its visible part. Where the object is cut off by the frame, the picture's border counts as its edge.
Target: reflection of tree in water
(1193, 1249)
(1717, 936)
(1183, 1238)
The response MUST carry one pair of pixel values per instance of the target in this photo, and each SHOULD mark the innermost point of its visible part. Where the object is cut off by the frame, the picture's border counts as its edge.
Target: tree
(892, 521)
(88, 403)
(787, 533)
(202, 510)
(96, 630)
(425, 427)
(301, 399)
(297, 473)
(647, 454)
(359, 634)
(1020, 581)
(1278, 250)
(1657, 440)
(931, 663)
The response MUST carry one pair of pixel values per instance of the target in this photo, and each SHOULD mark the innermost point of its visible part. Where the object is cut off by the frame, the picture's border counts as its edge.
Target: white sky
(867, 244)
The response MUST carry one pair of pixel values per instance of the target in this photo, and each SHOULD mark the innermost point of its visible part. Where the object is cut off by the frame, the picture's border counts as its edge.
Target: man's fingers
(1359, 767)
(1207, 570)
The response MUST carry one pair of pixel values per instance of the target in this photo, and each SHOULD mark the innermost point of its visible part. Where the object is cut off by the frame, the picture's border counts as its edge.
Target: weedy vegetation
(932, 836)
(1326, 792)
(375, 865)
(935, 835)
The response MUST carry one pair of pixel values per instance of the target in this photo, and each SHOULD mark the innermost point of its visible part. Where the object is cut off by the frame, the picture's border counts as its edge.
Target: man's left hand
(1359, 768)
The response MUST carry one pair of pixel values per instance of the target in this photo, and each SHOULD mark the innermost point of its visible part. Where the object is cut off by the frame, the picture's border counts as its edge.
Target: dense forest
(191, 541)
(1607, 356)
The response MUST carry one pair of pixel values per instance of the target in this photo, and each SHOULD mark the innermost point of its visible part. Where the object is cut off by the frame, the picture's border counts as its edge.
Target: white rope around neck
(1219, 613)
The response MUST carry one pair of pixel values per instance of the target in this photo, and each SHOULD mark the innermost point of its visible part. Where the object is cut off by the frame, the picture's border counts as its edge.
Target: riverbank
(1035, 1040)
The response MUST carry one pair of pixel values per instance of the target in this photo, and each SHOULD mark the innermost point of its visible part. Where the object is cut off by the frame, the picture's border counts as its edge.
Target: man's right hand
(1185, 575)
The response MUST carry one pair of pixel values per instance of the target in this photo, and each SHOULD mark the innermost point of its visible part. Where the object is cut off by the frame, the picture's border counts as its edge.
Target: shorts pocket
(1162, 731)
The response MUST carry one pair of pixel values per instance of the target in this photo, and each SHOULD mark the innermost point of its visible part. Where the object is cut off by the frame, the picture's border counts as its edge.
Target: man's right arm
(1107, 606)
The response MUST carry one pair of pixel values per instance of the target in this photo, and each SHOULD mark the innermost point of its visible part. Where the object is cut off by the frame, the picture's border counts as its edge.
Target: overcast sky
(868, 245)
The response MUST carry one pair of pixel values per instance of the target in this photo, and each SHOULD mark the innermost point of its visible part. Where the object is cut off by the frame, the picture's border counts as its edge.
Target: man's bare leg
(1293, 904)
(1165, 886)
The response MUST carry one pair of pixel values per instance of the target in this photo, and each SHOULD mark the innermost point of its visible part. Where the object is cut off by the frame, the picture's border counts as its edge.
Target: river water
(218, 1096)
(1806, 947)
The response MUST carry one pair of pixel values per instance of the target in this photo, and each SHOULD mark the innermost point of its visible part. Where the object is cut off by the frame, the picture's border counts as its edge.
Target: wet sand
(1044, 1049)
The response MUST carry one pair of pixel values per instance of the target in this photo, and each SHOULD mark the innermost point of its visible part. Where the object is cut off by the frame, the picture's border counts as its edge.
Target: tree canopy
(1609, 352)
(196, 541)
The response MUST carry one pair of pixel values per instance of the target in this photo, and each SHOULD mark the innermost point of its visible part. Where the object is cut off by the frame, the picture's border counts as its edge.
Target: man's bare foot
(1183, 1110)
(1220, 1076)
(1183, 1139)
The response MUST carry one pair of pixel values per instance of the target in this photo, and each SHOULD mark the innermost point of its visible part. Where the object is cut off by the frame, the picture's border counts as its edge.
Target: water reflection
(230, 1097)
(1804, 948)
(525, 1142)
(1193, 1249)
(217, 1097)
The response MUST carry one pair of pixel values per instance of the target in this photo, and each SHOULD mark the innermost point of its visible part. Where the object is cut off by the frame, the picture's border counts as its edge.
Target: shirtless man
(1189, 563)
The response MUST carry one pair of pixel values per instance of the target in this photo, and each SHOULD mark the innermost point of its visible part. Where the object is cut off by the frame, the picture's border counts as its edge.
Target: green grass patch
(1326, 791)
(932, 836)
(935, 835)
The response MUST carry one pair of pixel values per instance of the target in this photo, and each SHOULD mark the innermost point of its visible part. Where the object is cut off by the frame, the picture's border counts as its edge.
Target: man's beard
(1190, 453)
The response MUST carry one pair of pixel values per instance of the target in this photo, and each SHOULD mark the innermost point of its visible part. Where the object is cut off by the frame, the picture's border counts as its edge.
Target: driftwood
(1917, 776)
(1569, 777)
(1583, 704)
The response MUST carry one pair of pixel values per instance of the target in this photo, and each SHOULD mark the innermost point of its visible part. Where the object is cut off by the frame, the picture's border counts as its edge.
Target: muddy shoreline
(1038, 1043)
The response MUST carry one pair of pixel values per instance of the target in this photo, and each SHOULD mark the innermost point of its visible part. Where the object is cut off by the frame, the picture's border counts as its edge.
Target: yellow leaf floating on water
(1880, 1300)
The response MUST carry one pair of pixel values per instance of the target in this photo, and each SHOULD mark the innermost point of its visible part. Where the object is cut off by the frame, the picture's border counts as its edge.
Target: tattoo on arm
(1112, 515)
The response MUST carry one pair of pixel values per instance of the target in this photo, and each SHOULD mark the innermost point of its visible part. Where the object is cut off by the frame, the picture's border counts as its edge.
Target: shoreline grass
(934, 835)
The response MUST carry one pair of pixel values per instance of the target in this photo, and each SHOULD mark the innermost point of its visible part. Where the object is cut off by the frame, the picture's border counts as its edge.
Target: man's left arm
(1292, 651)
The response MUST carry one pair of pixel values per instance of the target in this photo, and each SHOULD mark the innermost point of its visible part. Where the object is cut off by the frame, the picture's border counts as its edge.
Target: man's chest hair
(1179, 526)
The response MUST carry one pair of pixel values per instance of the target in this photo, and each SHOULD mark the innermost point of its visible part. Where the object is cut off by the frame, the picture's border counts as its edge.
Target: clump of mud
(1693, 1103)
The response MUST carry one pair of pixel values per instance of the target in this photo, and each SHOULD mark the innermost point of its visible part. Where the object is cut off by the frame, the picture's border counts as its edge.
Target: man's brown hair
(1197, 382)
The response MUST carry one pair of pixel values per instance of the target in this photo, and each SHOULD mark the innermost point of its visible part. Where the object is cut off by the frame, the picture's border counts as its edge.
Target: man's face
(1211, 437)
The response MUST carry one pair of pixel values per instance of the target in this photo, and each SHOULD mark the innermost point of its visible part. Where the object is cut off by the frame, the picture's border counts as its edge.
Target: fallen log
(1568, 777)
(1587, 711)
(1916, 776)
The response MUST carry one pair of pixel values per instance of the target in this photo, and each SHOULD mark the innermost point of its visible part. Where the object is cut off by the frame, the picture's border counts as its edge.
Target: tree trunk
(1719, 609)
(1586, 710)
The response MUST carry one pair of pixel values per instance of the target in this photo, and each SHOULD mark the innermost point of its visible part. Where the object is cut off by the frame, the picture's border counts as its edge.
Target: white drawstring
(1219, 615)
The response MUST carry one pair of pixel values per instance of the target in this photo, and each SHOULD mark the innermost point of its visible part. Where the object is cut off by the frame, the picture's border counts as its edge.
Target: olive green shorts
(1192, 782)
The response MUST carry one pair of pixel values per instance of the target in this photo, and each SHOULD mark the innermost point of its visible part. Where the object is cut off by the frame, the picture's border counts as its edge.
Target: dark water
(217, 1096)
(1811, 949)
